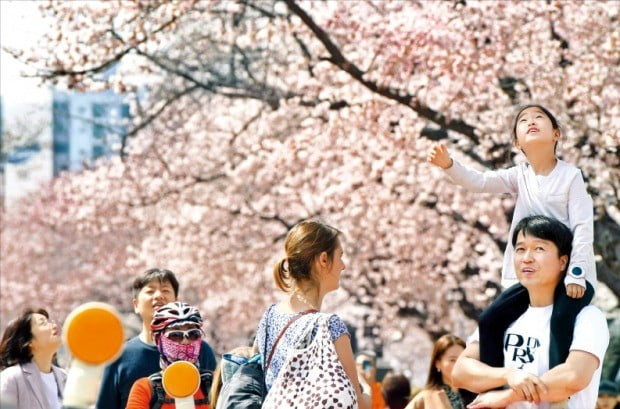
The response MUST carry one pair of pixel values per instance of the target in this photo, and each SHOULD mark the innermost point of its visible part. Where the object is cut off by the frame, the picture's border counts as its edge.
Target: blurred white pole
(82, 385)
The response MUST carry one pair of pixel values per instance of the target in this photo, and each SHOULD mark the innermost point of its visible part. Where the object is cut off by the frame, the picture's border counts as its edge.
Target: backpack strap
(158, 395)
(273, 349)
(206, 378)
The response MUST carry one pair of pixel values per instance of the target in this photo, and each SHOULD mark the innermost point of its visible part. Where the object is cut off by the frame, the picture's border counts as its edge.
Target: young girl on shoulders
(543, 185)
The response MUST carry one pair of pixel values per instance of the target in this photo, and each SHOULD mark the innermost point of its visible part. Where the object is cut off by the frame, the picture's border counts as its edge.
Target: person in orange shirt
(367, 366)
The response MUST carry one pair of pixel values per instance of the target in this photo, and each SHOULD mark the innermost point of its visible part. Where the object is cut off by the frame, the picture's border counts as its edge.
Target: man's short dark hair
(546, 228)
(155, 274)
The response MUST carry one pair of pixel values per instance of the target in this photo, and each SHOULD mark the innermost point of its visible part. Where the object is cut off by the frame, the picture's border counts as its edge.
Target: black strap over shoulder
(158, 397)
(206, 378)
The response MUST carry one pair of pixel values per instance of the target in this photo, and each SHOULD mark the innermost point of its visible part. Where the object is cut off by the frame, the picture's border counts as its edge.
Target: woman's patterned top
(274, 321)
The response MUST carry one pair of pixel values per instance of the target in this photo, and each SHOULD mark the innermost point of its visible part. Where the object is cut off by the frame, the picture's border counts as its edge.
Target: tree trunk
(607, 244)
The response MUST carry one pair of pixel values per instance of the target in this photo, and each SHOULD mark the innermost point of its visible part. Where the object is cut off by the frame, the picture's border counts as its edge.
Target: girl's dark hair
(554, 121)
(15, 344)
(546, 228)
(303, 244)
(435, 380)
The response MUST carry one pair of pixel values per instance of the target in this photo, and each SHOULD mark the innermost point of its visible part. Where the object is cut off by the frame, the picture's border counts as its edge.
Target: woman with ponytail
(309, 270)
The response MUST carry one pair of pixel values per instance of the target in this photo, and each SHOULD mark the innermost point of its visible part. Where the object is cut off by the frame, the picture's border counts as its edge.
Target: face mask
(171, 351)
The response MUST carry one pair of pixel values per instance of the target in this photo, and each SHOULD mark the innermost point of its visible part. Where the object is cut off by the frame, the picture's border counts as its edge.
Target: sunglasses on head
(178, 335)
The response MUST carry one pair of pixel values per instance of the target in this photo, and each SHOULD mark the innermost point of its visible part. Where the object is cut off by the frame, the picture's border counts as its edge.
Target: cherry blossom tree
(249, 116)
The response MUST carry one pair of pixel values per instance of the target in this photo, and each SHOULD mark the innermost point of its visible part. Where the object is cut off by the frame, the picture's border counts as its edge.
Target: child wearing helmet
(177, 333)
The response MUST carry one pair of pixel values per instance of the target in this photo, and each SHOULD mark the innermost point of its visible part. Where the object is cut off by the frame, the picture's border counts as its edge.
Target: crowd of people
(539, 345)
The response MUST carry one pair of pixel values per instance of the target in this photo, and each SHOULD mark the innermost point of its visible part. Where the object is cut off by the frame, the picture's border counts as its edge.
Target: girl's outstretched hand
(438, 155)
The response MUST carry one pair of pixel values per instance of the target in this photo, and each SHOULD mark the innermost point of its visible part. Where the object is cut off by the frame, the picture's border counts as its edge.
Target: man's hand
(575, 291)
(528, 387)
(438, 155)
(493, 399)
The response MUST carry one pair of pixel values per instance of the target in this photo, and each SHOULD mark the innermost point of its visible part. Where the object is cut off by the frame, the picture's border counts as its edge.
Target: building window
(99, 110)
(61, 147)
(125, 112)
(60, 135)
(60, 116)
(99, 131)
(98, 151)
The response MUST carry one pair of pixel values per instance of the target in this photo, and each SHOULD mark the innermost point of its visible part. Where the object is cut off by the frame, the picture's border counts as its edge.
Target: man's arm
(472, 374)
(570, 377)
(562, 381)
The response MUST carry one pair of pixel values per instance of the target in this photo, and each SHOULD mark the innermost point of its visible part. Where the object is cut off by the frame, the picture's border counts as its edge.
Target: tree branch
(48, 74)
(458, 218)
(338, 59)
(150, 118)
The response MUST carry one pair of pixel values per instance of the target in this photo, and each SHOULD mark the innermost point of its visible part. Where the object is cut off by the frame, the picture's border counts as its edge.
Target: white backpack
(312, 375)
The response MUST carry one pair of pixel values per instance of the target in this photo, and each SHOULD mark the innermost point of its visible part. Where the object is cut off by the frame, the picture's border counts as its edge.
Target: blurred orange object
(181, 379)
(94, 333)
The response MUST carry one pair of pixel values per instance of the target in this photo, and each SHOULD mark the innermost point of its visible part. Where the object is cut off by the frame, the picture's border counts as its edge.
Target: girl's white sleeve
(581, 219)
(491, 181)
